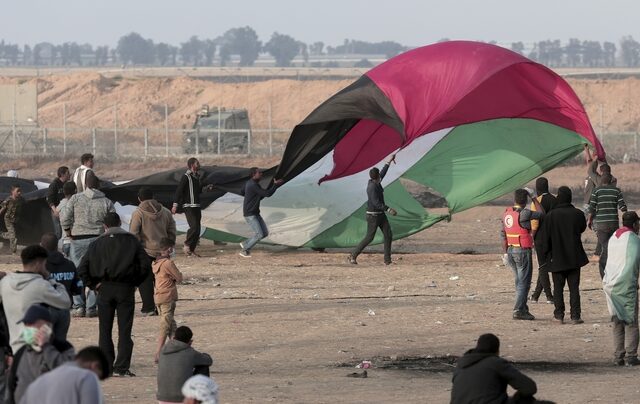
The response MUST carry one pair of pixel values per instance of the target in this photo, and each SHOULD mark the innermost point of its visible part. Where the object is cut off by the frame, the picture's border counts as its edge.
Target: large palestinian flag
(471, 121)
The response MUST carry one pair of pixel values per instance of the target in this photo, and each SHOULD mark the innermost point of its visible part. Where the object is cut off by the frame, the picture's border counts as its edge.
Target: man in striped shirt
(605, 201)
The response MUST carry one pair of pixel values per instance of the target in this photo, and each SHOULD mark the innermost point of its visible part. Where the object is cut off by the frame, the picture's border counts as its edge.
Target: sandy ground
(288, 325)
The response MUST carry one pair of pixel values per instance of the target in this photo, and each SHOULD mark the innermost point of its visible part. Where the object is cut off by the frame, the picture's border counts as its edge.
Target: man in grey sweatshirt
(20, 290)
(82, 220)
(177, 363)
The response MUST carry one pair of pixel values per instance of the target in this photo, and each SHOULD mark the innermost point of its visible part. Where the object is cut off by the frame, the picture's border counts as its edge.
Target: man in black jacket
(187, 199)
(114, 266)
(564, 254)
(55, 195)
(482, 376)
(376, 216)
(253, 194)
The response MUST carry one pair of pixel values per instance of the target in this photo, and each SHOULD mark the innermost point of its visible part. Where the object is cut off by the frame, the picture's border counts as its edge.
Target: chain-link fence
(140, 142)
(25, 140)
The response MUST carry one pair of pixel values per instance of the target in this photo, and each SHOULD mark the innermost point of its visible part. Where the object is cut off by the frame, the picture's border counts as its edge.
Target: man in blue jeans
(517, 243)
(253, 194)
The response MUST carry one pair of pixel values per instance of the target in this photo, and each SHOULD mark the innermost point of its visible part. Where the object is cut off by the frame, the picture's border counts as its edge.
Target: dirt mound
(91, 97)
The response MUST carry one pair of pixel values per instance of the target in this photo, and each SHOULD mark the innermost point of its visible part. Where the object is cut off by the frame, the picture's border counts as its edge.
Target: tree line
(241, 46)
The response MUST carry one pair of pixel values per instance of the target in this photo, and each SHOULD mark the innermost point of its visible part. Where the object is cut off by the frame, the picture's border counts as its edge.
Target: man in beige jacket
(151, 223)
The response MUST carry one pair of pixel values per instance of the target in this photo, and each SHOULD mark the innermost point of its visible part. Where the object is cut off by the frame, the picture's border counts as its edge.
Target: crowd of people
(553, 226)
(89, 266)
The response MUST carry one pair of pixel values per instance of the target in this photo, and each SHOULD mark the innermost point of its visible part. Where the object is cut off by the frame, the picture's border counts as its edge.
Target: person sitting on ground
(39, 355)
(482, 376)
(72, 383)
(620, 284)
(166, 293)
(178, 362)
(200, 389)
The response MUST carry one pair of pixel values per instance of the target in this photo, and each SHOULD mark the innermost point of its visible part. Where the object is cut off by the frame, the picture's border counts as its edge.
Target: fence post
(219, 129)
(64, 129)
(166, 129)
(197, 141)
(146, 142)
(115, 129)
(13, 127)
(270, 133)
(44, 138)
(93, 141)
(249, 141)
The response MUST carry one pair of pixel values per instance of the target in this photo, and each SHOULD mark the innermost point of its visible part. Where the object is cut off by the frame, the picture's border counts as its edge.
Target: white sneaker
(245, 254)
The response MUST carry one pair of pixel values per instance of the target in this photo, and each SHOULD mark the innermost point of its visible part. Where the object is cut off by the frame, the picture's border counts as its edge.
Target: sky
(409, 22)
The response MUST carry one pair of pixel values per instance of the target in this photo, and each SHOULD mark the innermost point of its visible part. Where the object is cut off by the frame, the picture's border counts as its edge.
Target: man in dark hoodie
(151, 223)
(564, 254)
(64, 272)
(482, 376)
(178, 362)
(114, 266)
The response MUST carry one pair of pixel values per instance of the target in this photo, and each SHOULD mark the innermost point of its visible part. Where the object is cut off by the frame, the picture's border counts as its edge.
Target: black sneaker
(352, 260)
(518, 315)
(619, 362)
(123, 373)
(576, 321)
(633, 361)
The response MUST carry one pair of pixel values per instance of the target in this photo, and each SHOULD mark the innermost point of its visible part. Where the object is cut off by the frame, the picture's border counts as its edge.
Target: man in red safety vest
(517, 243)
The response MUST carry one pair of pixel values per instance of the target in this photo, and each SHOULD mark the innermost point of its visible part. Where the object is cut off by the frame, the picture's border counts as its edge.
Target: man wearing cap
(564, 253)
(114, 266)
(620, 284)
(22, 289)
(482, 376)
(39, 354)
(253, 194)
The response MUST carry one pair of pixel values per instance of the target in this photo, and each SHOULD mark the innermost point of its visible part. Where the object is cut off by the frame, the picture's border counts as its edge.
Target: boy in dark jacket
(178, 362)
(482, 376)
